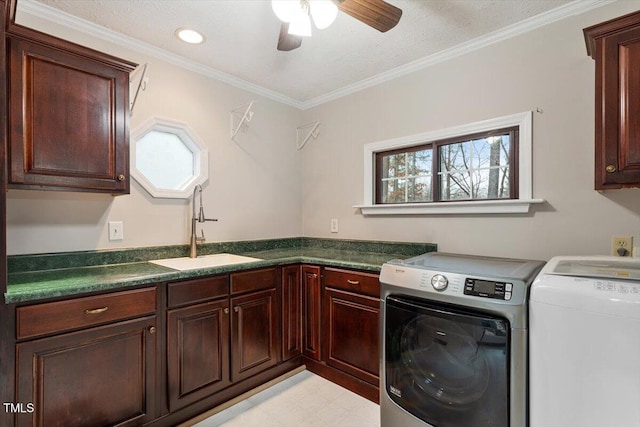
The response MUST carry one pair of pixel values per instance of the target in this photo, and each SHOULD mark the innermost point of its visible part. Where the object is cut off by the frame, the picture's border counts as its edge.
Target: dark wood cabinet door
(615, 45)
(291, 312)
(68, 120)
(197, 352)
(351, 333)
(102, 376)
(311, 293)
(255, 335)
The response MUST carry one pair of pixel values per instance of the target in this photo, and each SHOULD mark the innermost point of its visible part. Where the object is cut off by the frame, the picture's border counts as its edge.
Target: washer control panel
(470, 281)
(488, 289)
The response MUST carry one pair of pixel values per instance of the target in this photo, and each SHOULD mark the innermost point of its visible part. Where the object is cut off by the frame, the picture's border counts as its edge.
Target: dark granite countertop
(37, 277)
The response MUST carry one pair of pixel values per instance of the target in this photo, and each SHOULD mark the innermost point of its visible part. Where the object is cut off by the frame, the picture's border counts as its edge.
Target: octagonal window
(167, 159)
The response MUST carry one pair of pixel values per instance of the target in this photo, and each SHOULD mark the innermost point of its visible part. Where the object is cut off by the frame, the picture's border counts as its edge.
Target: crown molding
(56, 16)
(576, 7)
(59, 17)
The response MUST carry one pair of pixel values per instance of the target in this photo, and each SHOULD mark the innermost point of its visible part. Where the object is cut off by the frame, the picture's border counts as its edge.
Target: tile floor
(304, 399)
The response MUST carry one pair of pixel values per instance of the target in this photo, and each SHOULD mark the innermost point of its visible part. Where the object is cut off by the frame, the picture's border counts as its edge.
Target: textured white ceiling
(241, 36)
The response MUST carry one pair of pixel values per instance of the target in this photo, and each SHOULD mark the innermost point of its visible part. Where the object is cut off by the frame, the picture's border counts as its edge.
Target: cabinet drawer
(253, 280)
(60, 316)
(199, 290)
(364, 283)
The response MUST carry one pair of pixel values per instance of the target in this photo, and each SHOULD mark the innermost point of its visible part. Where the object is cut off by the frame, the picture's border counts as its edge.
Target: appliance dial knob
(439, 282)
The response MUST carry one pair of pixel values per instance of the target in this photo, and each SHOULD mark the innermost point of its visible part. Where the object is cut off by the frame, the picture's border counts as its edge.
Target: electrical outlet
(116, 230)
(622, 246)
(334, 225)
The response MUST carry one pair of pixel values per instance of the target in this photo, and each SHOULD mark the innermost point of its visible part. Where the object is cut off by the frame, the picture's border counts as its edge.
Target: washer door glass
(446, 366)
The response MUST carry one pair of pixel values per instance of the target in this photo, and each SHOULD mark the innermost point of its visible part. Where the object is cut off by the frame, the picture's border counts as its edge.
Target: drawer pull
(353, 282)
(236, 309)
(226, 311)
(152, 330)
(96, 310)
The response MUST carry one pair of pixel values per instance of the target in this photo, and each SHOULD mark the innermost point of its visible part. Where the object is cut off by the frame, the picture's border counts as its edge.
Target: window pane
(158, 152)
(475, 169)
(420, 190)
(420, 162)
(393, 191)
(394, 166)
(406, 176)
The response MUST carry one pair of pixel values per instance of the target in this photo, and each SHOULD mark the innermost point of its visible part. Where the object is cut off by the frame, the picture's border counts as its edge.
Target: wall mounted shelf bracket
(240, 117)
(139, 74)
(303, 134)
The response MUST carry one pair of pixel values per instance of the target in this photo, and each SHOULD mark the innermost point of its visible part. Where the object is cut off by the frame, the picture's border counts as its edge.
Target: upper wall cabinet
(615, 46)
(68, 115)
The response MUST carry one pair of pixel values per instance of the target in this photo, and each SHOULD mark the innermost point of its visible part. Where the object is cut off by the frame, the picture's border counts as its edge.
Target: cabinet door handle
(610, 168)
(96, 310)
(226, 311)
(121, 177)
(152, 330)
(236, 309)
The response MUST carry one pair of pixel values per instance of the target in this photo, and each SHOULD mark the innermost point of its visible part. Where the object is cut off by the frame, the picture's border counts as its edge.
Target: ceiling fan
(296, 16)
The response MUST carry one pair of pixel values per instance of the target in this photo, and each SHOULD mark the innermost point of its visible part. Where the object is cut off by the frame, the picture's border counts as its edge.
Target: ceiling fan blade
(375, 13)
(288, 41)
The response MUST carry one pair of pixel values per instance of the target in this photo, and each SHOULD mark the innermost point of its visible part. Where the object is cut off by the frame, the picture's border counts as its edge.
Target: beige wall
(254, 187)
(262, 187)
(548, 69)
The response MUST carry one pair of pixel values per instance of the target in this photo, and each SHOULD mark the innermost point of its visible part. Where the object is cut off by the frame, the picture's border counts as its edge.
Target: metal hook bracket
(306, 133)
(142, 83)
(245, 114)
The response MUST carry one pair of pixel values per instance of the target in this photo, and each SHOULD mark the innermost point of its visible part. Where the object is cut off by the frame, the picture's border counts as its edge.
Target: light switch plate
(116, 230)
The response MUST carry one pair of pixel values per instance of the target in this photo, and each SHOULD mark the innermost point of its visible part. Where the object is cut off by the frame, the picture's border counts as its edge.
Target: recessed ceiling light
(189, 36)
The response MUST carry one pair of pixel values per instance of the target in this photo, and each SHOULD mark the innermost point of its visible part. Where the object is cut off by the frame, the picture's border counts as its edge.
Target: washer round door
(444, 361)
(446, 366)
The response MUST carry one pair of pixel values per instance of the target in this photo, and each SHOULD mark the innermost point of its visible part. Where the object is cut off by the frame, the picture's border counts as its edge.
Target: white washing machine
(584, 343)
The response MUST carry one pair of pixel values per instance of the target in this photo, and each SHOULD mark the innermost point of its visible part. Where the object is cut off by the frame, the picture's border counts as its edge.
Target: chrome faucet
(193, 252)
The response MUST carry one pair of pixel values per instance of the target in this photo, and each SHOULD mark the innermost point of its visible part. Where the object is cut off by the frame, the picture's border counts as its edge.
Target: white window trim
(525, 171)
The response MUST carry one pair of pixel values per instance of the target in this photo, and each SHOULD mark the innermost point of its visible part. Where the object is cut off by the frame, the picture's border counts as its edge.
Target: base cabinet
(349, 326)
(197, 352)
(97, 377)
(163, 354)
(292, 331)
(312, 296)
(351, 333)
(341, 320)
(221, 330)
(254, 333)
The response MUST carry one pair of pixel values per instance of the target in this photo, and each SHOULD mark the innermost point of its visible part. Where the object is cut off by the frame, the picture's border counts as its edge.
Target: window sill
(519, 206)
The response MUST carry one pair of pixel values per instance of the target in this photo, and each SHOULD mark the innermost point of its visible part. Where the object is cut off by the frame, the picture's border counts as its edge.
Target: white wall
(548, 69)
(254, 187)
(263, 188)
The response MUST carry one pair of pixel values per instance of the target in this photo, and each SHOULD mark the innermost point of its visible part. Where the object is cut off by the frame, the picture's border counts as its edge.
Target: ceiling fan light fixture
(300, 25)
(285, 9)
(323, 12)
(190, 36)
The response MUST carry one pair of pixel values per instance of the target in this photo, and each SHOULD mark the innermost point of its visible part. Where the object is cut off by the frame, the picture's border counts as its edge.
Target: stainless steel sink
(204, 261)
